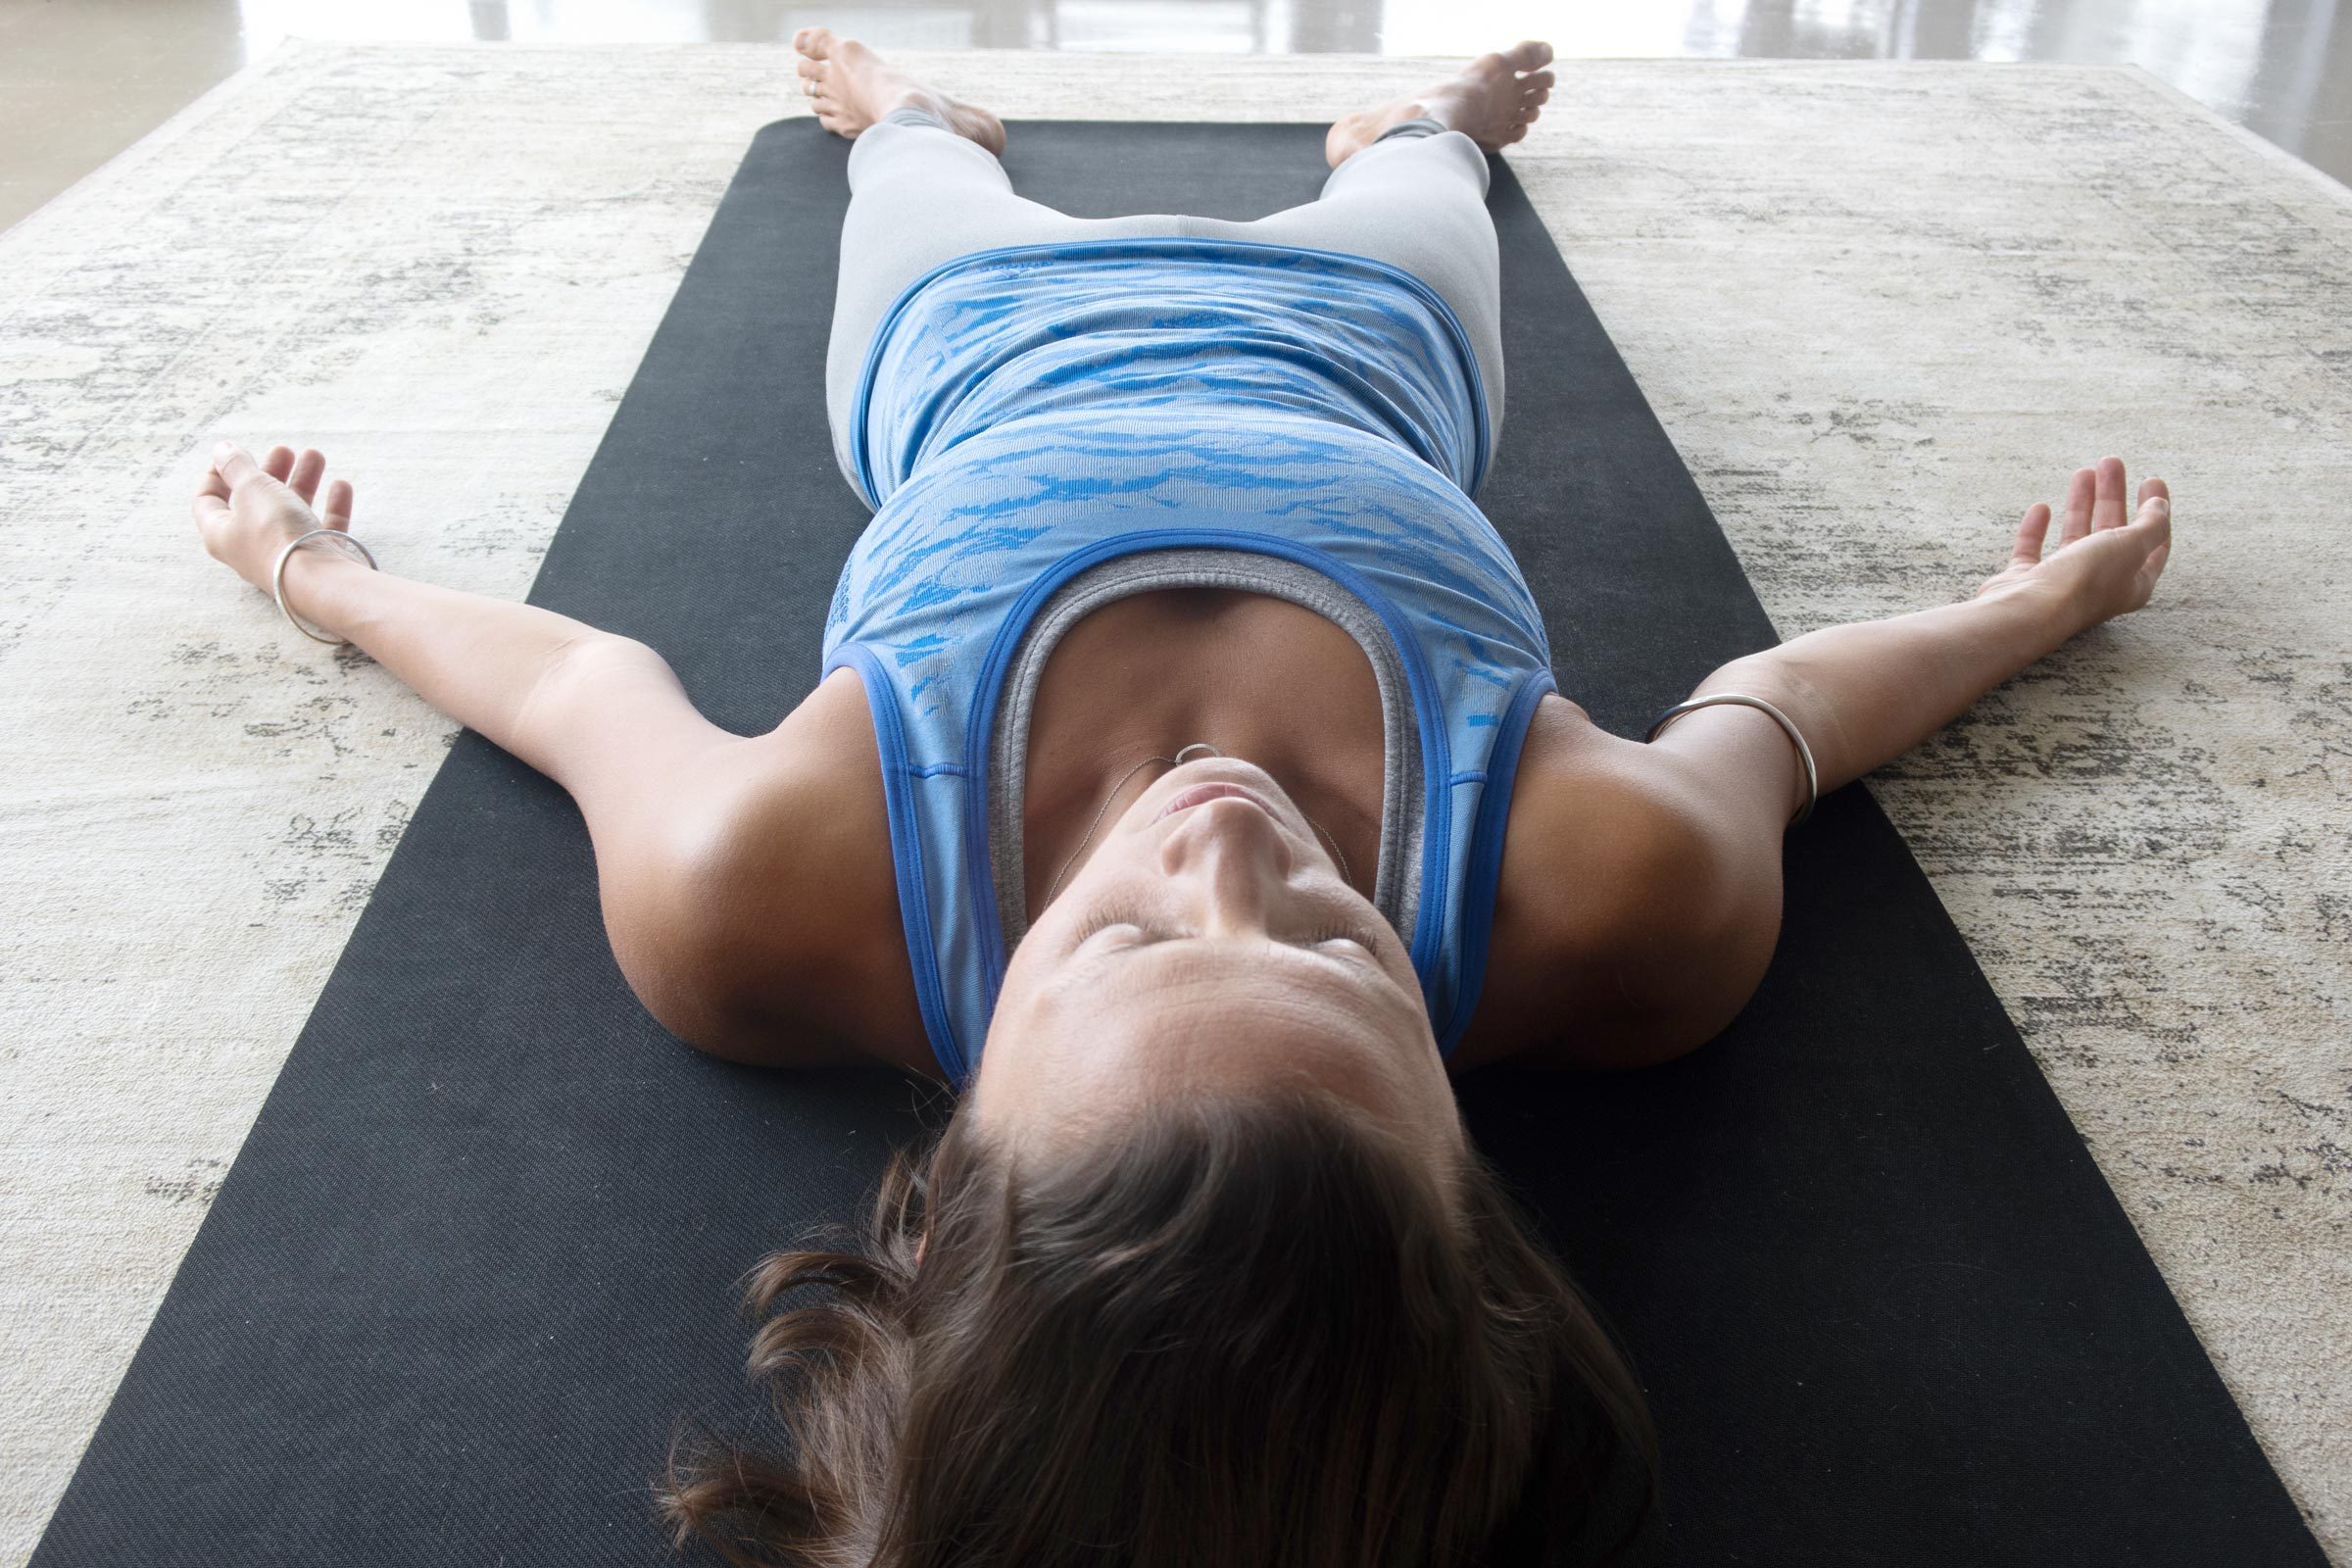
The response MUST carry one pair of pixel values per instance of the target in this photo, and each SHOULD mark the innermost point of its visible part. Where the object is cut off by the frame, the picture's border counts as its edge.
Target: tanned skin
(747, 881)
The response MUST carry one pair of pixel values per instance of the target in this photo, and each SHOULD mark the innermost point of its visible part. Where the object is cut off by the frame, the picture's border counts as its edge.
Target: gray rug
(1880, 309)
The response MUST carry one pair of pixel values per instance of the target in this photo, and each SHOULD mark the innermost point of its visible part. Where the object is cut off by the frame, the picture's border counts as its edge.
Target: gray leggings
(921, 195)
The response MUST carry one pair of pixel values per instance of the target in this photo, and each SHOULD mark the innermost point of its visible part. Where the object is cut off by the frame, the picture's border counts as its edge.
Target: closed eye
(1126, 915)
(1110, 915)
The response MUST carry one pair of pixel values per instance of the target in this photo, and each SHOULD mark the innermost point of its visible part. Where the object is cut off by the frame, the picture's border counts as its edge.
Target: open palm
(2105, 563)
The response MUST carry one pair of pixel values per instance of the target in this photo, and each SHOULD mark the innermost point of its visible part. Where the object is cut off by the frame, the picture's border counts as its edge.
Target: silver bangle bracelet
(1804, 753)
(278, 577)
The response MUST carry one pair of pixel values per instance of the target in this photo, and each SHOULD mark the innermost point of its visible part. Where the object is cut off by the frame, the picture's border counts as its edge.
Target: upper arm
(1642, 889)
(613, 726)
(670, 798)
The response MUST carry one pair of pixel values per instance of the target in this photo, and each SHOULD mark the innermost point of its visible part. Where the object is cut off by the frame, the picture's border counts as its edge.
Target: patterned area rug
(1880, 308)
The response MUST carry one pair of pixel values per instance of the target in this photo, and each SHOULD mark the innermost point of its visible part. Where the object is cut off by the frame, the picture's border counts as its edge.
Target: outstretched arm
(603, 716)
(1864, 694)
(478, 659)
(1648, 896)
(734, 872)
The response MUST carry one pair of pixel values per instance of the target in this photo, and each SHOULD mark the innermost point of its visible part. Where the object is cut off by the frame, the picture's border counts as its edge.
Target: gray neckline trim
(1396, 884)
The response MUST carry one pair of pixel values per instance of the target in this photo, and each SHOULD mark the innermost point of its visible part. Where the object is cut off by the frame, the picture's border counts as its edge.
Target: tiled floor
(81, 80)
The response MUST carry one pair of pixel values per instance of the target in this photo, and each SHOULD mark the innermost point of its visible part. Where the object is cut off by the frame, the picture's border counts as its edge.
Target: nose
(1233, 860)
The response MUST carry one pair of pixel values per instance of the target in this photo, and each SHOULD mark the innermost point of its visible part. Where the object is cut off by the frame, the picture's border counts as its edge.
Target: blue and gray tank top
(1045, 429)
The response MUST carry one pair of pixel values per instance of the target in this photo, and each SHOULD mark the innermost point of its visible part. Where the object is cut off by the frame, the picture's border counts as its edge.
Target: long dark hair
(1244, 1331)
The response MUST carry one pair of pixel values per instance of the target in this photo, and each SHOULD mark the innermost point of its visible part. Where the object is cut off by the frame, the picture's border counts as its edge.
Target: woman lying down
(1186, 787)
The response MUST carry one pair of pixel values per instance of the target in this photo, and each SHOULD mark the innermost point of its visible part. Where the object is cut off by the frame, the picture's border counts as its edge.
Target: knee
(1446, 159)
(890, 151)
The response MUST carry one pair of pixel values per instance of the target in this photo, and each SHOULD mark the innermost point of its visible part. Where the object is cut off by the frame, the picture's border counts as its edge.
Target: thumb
(234, 464)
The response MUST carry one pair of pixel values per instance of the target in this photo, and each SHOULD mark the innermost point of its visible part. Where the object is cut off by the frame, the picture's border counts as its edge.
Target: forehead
(1175, 971)
(1188, 1008)
(1094, 1037)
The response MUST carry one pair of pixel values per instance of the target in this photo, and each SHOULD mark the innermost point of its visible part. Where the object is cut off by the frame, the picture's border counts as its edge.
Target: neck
(1257, 677)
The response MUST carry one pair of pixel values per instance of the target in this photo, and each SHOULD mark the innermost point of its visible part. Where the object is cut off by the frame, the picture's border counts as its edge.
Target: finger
(2155, 524)
(207, 508)
(234, 464)
(279, 464)
(2107, 508)
(211, 484)
(308, 471)
(336, 514)
(2151, 567)
(2153, 486)
(2079, 497)
(2029, 534)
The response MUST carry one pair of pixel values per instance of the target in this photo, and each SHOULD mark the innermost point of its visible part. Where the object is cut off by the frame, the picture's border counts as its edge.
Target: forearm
(475, 657)
(1864, 694)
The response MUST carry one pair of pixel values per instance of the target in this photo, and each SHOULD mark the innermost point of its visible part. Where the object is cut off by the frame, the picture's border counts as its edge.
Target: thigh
(1418, 204)
(921, 196)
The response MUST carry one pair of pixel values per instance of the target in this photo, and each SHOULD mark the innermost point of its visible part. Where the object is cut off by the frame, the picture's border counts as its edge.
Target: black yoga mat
(480, 1247)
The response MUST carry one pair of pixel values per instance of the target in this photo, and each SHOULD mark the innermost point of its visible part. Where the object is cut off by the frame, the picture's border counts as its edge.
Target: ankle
(914, 109)
(1419, 124)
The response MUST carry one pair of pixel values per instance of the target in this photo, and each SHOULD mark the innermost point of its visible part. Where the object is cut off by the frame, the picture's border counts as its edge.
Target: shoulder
(773, 936)
(1635, 916)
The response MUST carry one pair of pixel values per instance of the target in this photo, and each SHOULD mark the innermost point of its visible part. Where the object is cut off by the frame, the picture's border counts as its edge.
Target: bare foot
(1493, 103)
(852, 89)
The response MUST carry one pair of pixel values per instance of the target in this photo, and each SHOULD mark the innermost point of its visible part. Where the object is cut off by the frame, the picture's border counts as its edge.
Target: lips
(1199, 794)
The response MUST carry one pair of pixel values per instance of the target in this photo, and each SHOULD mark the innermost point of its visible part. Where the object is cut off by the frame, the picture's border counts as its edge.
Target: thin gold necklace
(1345, 875)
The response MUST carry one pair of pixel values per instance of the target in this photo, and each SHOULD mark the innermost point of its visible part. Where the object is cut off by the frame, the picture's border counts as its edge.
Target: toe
(814, 42)
(809, 67)
(1530, 55)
